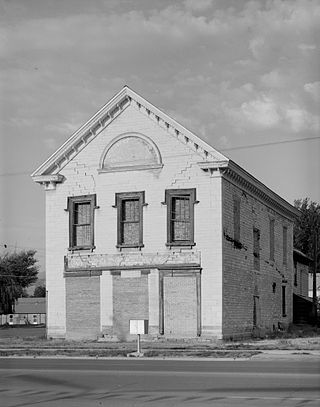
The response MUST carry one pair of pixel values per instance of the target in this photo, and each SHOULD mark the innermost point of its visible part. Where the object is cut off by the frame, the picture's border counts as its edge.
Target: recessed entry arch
(130, 151)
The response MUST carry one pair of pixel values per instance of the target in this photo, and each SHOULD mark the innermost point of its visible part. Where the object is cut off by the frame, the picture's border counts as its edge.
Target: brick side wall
(241, 283)
(130, 301)
(83, 307)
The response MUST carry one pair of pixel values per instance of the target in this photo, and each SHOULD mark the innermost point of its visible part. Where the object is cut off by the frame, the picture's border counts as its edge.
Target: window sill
(181, 244)
(130, 246)
(75, 248)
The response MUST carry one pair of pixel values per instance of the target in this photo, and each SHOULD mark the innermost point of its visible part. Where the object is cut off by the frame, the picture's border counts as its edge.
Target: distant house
(302, 298)
(310, 283)
(28, 311)
(145, 220)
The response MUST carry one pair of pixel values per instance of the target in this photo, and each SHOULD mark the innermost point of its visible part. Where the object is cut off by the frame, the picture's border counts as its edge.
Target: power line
(269, 144)
(13, 275)
(37, 249)
(7, 174)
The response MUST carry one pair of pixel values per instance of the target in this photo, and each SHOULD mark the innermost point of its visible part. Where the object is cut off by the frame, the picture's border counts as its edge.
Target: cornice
(234, 173)
(49, 181)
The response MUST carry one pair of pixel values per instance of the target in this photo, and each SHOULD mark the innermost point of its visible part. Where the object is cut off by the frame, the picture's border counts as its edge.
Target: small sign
(138, 326)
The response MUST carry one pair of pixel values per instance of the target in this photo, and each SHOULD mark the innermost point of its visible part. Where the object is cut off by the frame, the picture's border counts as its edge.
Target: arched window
(130, 151)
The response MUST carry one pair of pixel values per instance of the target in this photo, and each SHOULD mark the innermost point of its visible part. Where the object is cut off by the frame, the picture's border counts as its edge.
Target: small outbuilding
(302, 302)
(28, 311)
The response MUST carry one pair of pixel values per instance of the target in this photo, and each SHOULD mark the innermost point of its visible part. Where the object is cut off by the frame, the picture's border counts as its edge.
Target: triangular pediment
(210, 160)
(101, 120)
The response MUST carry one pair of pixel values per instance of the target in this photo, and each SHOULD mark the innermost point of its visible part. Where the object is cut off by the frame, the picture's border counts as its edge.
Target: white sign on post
(138, 326)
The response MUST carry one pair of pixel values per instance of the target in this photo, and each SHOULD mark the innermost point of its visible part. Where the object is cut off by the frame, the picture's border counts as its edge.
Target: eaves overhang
(302, 257)
(236, 174)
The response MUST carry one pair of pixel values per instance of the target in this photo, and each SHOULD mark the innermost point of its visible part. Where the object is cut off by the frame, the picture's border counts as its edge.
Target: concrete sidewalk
(167, 353)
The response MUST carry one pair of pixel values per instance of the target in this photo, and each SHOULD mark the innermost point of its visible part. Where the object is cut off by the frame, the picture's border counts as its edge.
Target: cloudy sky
(237, 73)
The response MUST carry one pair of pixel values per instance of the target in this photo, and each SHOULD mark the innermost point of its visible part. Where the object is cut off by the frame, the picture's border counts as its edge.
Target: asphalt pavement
(142, 382)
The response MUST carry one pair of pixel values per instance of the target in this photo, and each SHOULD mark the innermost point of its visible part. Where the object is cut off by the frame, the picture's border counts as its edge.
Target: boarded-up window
(130, 227)
(81, 222)
(236, 219)
(271, 238)
(284, 306)
(256, 249)
(256, 311)
(180, 216)
(285, 244)
(130, 221)
(180, 219)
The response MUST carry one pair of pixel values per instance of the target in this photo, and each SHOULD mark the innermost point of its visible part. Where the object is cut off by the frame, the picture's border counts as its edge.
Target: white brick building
(144, 220)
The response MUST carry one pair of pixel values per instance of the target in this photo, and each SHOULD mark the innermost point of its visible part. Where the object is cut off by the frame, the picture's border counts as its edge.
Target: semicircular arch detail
(130, 151)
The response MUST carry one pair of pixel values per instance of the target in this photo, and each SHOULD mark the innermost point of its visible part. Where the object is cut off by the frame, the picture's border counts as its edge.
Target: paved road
(85, 382)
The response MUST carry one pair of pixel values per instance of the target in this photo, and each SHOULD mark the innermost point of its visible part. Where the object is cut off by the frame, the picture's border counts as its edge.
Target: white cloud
(198, 5)
(256, 46)
(261, 112)
(299, 119)
(307, 47)
(267, 112)
(273, 79)
(314, 89)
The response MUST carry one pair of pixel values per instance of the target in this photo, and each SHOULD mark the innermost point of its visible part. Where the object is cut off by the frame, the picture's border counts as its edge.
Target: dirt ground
(307, 338)
(23, 332)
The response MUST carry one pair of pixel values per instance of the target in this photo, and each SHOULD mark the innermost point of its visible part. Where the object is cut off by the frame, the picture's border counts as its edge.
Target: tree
(307, 229)
(17, 271)
(306, 239)
(39, 291)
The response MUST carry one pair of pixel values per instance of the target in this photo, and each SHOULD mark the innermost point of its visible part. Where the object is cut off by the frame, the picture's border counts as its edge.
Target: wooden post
(198, 289)
(138, 344)
(161, 304)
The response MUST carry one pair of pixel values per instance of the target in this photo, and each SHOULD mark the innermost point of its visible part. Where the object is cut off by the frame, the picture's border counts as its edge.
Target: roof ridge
(104, 116)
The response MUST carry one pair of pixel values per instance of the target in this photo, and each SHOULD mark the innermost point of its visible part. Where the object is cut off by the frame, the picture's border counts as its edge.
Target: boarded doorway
(180, 305)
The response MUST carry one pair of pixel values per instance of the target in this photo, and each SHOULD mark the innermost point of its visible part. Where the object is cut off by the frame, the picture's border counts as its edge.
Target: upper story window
(81, 222)
(180, 216)
(236, 219)
(130, 219)
(271, 239)
(284, 301)
(285, 244)
(256, 249)
(295, 274)
(130, 151)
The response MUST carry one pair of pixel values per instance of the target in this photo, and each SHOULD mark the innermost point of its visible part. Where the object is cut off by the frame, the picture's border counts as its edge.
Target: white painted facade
(185, 161)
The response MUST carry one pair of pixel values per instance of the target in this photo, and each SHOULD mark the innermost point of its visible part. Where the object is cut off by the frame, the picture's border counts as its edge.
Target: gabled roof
(103, 118)
(302, 257)
(210, 160)
(30, 306)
